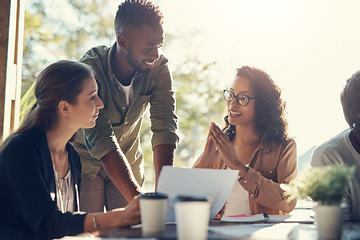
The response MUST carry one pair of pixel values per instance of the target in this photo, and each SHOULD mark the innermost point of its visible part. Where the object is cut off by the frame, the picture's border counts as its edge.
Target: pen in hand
(266, 216)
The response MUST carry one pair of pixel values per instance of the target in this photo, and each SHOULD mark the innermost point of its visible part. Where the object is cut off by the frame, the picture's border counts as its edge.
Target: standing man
(344, 148)
(130, 74)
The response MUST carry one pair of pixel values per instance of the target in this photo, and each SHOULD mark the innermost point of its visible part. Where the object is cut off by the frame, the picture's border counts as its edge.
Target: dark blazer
(28, 206)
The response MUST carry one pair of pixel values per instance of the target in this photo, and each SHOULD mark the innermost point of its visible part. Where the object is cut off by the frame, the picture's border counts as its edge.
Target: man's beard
(135, 64)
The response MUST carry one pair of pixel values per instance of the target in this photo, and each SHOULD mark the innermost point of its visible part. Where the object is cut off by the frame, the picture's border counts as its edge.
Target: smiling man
(130, 74)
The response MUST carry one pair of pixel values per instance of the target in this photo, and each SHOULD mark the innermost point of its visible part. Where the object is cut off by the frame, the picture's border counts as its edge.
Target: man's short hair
(136, 13)
(350, 100)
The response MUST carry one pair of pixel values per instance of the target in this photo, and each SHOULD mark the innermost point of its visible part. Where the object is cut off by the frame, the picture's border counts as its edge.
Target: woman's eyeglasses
(241, 99)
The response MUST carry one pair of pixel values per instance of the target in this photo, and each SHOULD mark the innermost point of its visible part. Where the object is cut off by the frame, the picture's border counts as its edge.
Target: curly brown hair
(270, 122)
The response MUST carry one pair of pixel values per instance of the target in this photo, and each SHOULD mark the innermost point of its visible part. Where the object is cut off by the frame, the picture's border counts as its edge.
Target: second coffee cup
(192, 217)
(153, 212)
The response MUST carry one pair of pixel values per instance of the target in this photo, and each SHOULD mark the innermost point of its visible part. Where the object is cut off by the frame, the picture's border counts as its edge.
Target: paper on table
(214, 183)
(244, 218)
(291, 218)
(256, 230)
(296, 218)
(237, 231)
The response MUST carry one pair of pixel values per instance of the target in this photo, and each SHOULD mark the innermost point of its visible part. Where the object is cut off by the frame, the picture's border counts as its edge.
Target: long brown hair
(270, 121)
(59, 81)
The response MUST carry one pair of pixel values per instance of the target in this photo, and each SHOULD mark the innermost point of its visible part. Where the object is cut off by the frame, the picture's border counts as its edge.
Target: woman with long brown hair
(40, 170)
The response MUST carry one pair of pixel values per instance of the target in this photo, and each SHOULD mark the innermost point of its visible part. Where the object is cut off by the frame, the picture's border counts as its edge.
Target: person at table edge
(344, 148)
(130, 74)
(40, 170)
(255, 142)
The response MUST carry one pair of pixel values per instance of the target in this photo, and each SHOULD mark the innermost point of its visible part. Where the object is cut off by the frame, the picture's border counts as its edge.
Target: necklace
(61, 169)
(61, 193)
(60, 162)
(61, 182)
(61, 190)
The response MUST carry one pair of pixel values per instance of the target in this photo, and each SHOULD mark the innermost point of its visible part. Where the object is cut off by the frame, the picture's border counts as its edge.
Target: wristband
(94, 221)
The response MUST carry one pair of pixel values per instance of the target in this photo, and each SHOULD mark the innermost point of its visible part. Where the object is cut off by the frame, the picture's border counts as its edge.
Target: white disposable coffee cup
(192, 217)
(153, 212)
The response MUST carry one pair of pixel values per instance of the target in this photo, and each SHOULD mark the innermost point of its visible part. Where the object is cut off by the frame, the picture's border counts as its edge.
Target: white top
(238, 201)
(128, 90)
(64, 192)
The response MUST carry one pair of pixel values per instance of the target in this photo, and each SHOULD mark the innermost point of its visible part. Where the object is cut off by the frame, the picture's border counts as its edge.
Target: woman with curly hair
(255, 142)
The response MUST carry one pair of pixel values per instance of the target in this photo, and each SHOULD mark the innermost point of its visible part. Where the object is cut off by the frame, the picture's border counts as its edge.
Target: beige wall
(11, 48)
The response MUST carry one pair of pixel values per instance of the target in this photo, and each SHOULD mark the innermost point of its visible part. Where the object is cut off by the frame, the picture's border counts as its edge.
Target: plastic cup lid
(153, 195)
(187, 198)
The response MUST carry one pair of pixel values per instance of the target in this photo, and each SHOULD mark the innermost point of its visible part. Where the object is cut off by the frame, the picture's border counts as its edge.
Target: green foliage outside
(49, 37)
(326, 185)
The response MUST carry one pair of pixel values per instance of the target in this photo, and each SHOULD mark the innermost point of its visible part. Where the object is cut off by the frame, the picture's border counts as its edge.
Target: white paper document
(268, 231)
(269, 218)
(214, 183)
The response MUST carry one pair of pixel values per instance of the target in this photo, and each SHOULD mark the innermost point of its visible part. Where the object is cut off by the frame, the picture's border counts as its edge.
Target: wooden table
(351, 231)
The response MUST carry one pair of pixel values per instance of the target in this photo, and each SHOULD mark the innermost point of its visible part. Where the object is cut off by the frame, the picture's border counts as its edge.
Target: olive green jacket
(119, 124)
